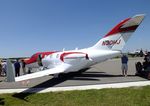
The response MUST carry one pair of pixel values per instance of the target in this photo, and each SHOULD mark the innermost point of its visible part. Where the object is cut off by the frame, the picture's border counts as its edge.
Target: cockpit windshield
(33, 55)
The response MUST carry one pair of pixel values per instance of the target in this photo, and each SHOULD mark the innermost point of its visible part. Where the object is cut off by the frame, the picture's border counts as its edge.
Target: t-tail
(119, 35)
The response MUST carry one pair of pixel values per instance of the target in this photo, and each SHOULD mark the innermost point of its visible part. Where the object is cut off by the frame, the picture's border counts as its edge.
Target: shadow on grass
(2, 101)
(49, 83)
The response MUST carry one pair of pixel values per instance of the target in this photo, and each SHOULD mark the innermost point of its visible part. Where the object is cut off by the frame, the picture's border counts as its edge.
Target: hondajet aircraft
(106, 48)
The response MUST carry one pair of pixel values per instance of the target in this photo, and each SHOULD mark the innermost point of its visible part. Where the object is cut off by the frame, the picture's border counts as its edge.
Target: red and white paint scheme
(35, 59)
(74, 60)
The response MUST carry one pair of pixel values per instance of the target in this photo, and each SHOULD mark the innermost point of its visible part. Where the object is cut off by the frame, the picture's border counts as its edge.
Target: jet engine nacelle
(69, 57)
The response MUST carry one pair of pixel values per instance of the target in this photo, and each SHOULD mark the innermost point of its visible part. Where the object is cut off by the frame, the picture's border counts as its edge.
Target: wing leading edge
(59, 69)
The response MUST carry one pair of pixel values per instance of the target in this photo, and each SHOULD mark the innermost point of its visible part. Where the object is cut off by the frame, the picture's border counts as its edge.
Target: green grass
(134, 96)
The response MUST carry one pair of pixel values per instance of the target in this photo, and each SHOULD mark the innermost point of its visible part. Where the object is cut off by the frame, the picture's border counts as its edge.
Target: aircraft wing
(59, 69)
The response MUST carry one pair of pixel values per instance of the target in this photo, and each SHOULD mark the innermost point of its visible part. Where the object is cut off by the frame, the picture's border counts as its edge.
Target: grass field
(134, 96)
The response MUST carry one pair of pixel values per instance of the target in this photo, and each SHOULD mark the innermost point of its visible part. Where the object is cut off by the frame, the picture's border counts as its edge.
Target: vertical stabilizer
(119, 35)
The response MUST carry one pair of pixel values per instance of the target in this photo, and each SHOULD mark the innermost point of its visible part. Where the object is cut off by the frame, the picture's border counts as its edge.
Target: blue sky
(29, 26)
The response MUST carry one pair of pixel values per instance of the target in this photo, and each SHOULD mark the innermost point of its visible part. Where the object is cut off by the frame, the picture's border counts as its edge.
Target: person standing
(23, 66)
(4, 68)
(17, 68)
(0, 68)
(124, 60)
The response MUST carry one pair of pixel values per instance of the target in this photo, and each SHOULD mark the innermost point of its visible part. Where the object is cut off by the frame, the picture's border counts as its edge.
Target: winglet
(10, 72)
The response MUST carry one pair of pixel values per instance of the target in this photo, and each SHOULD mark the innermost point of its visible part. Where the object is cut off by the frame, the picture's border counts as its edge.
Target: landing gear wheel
(148, 76)
(56, 75)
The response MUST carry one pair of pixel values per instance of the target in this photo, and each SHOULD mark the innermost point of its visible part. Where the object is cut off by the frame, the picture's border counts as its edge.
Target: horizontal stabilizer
(134, 21)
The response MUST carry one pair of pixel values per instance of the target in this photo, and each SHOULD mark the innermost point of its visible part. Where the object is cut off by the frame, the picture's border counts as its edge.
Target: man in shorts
(124, 60)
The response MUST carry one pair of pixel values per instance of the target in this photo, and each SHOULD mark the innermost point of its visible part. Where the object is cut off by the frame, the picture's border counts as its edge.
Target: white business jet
(106, 48)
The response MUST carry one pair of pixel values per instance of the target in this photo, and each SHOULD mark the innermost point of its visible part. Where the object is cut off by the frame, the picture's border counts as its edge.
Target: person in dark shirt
(23, 66)
(124, 60)
(146, 63)
(17, 68)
